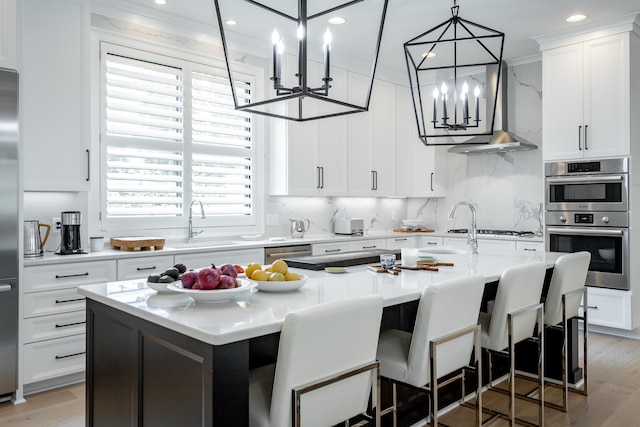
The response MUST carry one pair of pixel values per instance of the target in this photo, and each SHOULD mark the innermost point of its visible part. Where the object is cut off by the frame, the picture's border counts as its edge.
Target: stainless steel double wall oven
(587, 209)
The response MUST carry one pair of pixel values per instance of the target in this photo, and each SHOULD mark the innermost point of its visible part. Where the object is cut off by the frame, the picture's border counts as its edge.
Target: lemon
(290, 276)
(276, 277)
(251, 268)
(260, 276)
(279, 266)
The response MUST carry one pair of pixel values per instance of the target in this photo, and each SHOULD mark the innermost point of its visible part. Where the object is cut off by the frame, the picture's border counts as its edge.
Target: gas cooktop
(495, 232)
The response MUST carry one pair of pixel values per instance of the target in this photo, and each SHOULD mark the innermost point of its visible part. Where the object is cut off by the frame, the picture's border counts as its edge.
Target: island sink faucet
(192, 233)
(472, 235)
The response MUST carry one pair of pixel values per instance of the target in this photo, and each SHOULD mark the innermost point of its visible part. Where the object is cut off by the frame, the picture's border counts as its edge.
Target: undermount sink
(202, 244)
(451, 251)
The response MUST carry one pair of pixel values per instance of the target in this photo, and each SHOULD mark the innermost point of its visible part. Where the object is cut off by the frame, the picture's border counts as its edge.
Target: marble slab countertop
(259, 313)
(239, 243)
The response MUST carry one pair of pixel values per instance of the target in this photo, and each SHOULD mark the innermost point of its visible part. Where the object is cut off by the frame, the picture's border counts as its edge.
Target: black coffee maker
(70, 242)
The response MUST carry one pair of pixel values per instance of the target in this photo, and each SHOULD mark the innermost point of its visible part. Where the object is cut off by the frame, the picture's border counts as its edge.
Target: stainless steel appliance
(70, 242)
(33, 241)
(299, 227)
(597, 185)
(279, 252)
(587, 210)
(349, 226)
(9, 226)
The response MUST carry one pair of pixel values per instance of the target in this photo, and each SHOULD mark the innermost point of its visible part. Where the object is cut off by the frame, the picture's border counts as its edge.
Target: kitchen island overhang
(148, 347)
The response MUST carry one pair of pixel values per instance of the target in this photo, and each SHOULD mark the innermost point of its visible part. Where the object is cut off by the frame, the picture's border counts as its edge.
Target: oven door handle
(589, 179)
(589, 231)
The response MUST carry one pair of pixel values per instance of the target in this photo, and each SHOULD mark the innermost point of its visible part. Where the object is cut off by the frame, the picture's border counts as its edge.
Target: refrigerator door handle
(6, 288)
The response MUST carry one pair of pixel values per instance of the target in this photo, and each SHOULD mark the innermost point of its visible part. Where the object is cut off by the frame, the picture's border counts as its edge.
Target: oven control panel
(587, 219)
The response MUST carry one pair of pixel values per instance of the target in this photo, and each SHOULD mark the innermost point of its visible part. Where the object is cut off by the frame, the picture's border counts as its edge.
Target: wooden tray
(140, 243)
(419, 230)
(422, 265)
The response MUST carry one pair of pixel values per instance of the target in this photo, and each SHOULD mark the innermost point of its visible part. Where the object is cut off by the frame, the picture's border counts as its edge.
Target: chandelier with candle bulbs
(443, 64)
(304, 81)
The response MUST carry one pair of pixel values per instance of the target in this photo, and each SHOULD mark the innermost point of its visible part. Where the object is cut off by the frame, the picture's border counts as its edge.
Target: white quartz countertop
(239, 243)
(259, 313)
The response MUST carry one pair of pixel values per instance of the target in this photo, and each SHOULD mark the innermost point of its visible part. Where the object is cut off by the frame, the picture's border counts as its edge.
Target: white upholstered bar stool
(515, 313)
(562, 303)
(441, 343)
(326, 367)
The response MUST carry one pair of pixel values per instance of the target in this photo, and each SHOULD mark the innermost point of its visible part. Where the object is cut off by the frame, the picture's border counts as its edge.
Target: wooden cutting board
(140, 243)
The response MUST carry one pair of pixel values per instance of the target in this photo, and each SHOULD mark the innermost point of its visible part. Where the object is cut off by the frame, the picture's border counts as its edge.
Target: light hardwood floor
(614, 396)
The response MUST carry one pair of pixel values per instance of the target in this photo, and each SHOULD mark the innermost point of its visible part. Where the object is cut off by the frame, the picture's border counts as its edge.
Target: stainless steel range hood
(501, 140)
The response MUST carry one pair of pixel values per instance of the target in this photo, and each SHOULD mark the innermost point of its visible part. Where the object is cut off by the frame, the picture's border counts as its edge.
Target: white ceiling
(520, 20)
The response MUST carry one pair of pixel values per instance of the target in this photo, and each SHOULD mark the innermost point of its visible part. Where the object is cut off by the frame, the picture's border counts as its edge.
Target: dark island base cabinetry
(141, 374)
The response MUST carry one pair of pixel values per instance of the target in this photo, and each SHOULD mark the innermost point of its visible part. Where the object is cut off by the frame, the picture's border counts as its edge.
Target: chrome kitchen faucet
(472, 235)
(192, 233)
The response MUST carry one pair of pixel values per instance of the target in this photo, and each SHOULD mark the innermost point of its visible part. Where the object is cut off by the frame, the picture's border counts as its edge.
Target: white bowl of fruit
(212, 284)
(275, 278)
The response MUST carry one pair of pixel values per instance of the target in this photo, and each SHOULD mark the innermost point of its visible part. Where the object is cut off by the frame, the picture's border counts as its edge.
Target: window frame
(188, 62)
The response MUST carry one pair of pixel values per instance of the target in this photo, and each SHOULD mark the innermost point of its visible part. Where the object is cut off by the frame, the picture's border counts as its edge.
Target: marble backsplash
(506, 188)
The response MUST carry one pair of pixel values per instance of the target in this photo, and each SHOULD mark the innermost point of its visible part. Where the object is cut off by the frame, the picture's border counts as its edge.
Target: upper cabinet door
(607, 96)
(586, 102)
(420, 170)
(372, 140)
(309, 158)
(8, 38)
(54, 108)
(562, 118)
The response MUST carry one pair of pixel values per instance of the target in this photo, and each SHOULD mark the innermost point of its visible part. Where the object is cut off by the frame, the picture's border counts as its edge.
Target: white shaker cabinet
(420, 170)
(53, 318)
(372, 140)
(195, 261)
(310, 158)
(142, 267)
(586, 103)
(54, 90)
(8, 39)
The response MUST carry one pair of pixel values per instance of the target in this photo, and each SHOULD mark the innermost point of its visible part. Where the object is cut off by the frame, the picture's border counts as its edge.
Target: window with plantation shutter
(170, 135)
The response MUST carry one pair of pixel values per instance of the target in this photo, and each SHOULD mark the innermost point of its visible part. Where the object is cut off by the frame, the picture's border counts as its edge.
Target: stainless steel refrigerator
(8, 231)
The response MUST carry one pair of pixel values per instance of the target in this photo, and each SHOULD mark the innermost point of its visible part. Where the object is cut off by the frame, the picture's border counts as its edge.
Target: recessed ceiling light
(576, 18)
(337, 20)
(160, 1)
(429, 54)
(230, 22)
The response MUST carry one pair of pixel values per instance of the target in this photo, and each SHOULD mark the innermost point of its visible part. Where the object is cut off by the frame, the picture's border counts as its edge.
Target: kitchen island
(161, 359)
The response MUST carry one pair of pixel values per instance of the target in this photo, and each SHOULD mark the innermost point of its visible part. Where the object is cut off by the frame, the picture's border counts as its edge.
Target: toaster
(349, 226)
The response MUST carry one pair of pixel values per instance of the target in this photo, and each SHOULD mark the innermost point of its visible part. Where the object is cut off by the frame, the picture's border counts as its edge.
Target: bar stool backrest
(569, 273)
(319, 342)
(519, 287)
(444, 308)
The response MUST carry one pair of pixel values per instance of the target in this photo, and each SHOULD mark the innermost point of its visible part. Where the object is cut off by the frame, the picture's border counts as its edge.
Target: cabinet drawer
(141, 267)
(331, 248)
(537, 247)
(367, 245)
(430, 241)
(52, 302)
(240, 256)
(402, 242)
(608, 307)
(55, 326)
(49, 277)
(53, 358)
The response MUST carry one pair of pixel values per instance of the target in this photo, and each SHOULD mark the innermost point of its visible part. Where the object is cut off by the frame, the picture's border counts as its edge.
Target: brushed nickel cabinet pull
(62, 301)
(146, 268)
(88, 165)
(332, 250)
(65, 325)
(580, 138)
(586, 145)
(70, 355)
(66, 276)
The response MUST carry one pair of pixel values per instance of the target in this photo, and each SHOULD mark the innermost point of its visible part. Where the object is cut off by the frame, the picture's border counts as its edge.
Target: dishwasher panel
(278, 252)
